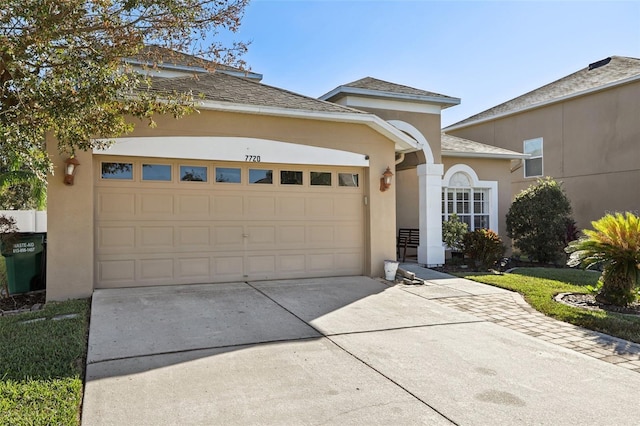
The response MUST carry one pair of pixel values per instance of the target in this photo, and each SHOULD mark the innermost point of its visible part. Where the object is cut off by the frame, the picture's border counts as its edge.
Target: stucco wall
(590, 144)
(70, 251)
(69, 229)
(428, 124)
(407, 203)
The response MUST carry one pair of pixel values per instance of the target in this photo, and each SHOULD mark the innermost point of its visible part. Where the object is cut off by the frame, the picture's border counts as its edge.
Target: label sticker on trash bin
(29, 247)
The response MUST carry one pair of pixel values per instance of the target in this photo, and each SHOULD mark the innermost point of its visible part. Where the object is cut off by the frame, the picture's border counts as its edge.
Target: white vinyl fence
(28, 220)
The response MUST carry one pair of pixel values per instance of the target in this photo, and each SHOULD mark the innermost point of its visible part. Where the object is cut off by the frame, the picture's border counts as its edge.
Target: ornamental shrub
(484, 247)
(453, 231)
(537, 220)
(614, 244)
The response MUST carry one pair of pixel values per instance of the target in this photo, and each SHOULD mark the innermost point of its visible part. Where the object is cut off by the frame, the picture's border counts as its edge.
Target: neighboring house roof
(599, 75)
(453, 146)
(227, 88)
(372, 87)
(172, 59)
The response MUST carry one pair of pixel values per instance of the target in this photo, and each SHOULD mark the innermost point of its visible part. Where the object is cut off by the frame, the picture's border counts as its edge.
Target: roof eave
(497, 156)
(403, 142)
(187, 68)
(346, 90)
(545, 103)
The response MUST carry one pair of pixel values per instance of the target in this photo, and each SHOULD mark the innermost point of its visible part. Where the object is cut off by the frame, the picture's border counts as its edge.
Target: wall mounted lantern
(385, 180)
(70, 168)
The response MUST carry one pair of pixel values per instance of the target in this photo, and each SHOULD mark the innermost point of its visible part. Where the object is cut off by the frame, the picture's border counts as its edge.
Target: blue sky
(482, 52)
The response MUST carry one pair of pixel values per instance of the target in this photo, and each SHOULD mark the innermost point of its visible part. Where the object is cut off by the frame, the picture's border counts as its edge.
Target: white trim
(542, 104)
(389, 104)
(491, 185)
(403, 143)
(224, 148)
(430, 250)
(415, 134)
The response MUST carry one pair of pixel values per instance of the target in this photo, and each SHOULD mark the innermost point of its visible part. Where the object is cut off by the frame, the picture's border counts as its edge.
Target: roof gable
(375, 88)
(600, 74)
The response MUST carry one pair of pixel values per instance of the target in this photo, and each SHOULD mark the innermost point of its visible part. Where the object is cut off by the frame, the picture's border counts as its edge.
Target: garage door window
(321, 178)
(117, 171)
(347, 179)
(260, 176)
(290, 177)
(158, 172)
(193, 174)
(228, 175)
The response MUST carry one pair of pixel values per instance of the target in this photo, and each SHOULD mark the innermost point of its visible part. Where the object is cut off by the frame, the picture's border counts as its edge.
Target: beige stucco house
(263, 183)
(583, 130)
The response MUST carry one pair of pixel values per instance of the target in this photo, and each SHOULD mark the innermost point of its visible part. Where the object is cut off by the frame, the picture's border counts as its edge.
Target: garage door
(160, 221)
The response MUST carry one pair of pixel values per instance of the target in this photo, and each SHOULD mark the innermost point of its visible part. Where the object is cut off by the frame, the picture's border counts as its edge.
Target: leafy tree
(453, 231)
(614, 244)
(22, 190)
(537, 220)
(62, 73)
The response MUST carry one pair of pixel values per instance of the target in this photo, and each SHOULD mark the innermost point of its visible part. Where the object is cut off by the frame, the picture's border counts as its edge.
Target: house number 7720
(252, 158)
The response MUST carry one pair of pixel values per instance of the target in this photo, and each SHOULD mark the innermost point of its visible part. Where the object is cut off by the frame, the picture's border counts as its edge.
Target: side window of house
(533, 164)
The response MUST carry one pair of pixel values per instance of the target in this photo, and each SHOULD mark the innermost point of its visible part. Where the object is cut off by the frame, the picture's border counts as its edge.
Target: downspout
(400, 159)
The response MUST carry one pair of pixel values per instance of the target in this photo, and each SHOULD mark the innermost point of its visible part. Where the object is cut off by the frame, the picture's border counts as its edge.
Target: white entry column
(431, 250)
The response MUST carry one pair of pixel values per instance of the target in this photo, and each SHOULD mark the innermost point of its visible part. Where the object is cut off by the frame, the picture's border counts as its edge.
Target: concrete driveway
(341, 351)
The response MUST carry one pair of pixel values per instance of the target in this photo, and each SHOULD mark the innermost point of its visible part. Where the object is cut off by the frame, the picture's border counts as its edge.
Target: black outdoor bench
(407, 238)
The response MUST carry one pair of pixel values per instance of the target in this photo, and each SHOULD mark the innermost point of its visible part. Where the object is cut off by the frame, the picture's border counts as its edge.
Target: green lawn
(539, 285)
(42, 365)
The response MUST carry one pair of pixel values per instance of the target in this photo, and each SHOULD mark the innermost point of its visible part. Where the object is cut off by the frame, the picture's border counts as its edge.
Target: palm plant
(21, 188)
(614, 244)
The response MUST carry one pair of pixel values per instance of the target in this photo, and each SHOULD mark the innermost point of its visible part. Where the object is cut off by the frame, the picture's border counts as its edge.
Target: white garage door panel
(155, 233)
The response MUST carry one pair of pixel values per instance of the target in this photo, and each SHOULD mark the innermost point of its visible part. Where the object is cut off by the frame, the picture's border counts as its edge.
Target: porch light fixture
(385, 180)
(70, 168)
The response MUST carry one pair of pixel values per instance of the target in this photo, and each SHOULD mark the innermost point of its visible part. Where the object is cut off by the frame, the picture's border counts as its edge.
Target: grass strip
(42, 365)
(538, 286)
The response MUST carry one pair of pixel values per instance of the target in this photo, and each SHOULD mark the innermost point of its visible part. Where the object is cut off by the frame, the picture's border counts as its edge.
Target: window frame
(469, 202)
(142, 178)
(193, 166)
(115, 178)
(541, 157)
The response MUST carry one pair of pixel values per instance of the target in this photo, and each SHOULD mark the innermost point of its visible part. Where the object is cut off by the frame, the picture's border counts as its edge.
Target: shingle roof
(168, 57)
(227, 88)
(371, 83)
(370, 86)
(600, 73)
(455, 146)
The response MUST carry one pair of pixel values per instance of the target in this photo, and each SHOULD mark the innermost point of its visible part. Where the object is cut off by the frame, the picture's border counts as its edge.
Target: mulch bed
(22, 302)
(588, 301)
